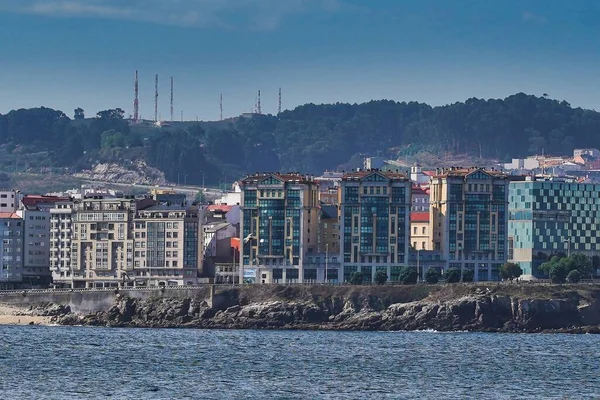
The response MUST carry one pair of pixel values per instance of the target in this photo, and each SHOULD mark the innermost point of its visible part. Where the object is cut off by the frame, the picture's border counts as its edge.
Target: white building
(9, 200)
(61, 233)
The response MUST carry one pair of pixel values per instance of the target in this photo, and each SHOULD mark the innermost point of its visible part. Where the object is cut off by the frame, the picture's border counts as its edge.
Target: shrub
(452, 275)
(511, 271)
(432, 276)
(467, 275)
(356, 278)
(381, 277)
(574, 276)
(408, 275)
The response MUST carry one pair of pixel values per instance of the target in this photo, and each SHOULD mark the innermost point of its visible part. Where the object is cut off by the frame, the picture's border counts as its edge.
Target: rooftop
(361, 174)
(464, 172)
(295, 177)
(419, 190)
(219, 208)
(9, 215)
(329, 211)
(217, 227)
(419, 216)
(33, 200)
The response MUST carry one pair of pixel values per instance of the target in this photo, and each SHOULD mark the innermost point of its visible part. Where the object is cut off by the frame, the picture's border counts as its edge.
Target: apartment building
(279, 227)
(11, 247)
(9, 200)
(103, 242)
(469, 217)
(549, 216)
(167, 246)
(61, 234)
(374, 223)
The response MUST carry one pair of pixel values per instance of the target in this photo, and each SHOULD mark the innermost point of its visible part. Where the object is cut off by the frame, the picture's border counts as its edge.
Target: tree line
(310, 138)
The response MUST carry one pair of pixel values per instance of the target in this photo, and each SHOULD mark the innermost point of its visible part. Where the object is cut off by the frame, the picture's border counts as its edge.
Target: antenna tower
(171, 99)
(156, 98)
(279, 108)
(221, 106)
(258, 109)
(136, 104)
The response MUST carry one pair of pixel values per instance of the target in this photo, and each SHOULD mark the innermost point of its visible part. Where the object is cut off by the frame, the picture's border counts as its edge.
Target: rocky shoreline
(480, 309)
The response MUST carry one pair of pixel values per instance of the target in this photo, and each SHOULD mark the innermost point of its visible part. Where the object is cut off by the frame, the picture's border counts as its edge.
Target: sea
(40, 362)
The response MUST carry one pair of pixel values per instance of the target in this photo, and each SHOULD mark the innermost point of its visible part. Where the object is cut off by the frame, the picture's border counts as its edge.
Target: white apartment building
(61, 233)
(9, 200)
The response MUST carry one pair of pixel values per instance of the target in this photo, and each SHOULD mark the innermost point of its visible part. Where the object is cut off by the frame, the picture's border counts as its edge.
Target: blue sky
(69, 53)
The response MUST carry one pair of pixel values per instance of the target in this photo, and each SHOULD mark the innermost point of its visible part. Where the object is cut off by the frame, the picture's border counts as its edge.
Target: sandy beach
(8, 317)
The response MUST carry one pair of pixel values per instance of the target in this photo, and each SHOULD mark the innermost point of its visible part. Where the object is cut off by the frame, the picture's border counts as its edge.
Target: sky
(65, 54)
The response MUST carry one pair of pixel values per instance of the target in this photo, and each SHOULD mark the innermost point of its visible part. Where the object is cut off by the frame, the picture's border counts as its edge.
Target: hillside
(310, 138)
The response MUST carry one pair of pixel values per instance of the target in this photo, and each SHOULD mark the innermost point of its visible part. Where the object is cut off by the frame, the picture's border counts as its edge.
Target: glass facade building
(551, 216)
(279, 226)
(374, 223)
(468, 216)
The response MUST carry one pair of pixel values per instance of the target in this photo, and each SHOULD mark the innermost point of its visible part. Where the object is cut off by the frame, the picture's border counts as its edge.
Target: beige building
(468, 215)
(167, 246)
(103, 242)
(419, 231)
(279, 225)
(61, 234)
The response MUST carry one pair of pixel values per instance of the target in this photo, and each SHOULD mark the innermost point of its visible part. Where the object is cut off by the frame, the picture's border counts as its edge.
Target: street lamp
(326, 257)
(568, 242)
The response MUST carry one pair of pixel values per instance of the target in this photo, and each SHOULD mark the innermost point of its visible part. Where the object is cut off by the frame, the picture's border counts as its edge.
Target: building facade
(103, 243)
(61, 234)
(11, 246)
(374, 223)
(36, 246)
(469, 219)
(167, 247)
(419, 231)
(279, 227)
(420, 199)
(550, 216)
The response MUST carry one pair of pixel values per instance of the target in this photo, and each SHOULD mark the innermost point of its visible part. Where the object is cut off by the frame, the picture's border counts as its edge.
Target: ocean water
(90, 363)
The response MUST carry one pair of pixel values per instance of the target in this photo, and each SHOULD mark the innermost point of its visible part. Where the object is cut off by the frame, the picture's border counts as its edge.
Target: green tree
(356, 278)
(408, 275)
(452, 275)
(79, 113)
(432, 276)
(558, 273)
(511, 271)
(467, 275)
(381, 277)
(574, 276)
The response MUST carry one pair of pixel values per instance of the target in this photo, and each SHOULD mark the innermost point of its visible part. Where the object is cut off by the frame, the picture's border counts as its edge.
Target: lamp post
(418, 259)
(568, 242)
(326, 257)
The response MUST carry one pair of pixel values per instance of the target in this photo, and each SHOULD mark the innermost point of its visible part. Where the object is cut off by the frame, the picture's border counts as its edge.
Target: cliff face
(473, 308)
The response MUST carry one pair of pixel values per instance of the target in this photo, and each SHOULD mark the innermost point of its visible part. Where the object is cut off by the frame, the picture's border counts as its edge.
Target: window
(424, 230)
(415, 230)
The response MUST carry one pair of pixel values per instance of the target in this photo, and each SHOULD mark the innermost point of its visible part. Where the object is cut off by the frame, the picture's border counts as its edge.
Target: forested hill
(310, 138)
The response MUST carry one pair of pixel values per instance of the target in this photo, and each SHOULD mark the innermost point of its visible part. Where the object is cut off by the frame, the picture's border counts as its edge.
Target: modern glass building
(468, 217)
(549, 216)
(374, 223)
(279, 226)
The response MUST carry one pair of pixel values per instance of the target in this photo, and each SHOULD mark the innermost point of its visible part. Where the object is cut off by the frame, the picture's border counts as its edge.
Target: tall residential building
(61, 234)
(11, 246)
(103, 242)
(468, 217)
(167, 248)
(279, 227)
(374, 223)
(549, 216)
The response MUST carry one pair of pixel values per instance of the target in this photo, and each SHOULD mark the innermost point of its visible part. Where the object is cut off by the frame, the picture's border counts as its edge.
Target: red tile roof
(219, 208)
(419, 190)
(419, 216)
(11, 215)
(33, 200)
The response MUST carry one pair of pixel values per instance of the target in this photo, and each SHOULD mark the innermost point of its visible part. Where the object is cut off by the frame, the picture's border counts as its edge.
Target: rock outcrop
(472, 311)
